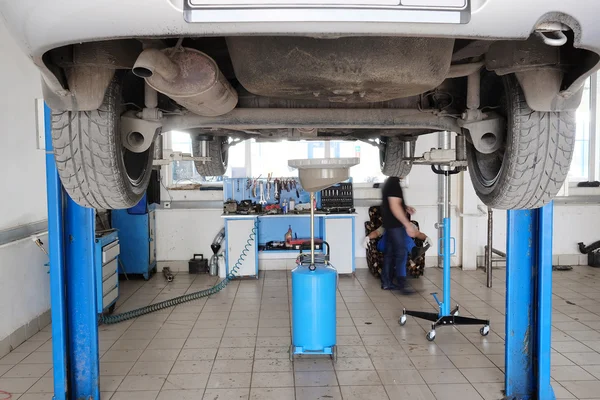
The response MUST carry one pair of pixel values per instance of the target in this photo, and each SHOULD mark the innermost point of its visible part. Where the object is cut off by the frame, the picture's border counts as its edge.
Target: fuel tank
(346, 70)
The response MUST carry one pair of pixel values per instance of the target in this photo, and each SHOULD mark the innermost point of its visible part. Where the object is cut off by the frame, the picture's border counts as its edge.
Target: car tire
(529, 170)
(217, 150)
(391, 158)
(95, 168)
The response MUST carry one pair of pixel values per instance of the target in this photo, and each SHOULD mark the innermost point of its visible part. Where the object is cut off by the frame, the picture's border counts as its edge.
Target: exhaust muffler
(189, 77)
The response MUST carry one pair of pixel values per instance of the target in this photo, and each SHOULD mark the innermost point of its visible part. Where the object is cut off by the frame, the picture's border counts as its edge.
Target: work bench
(335, 229)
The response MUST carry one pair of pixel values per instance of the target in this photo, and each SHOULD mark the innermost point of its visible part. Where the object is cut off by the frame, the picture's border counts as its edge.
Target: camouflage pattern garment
(414, 267)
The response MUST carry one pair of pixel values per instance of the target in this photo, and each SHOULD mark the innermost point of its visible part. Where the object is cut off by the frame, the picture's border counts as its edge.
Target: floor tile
(28, 371)
(483, 375)
(185, 381)
(271, 365)
(491, 391)
(358, 378)
(354, 364)
(583, 389)
(192, 367)
(272, 379)
(435, 376)
(229, 381)
(315, 378)
(432, 362)
(454, 392)
(193, 394)
(226, 394)
(401, 377)
(571, 373)
(318, 393)
(364, 392)
(17, 385)
(144, 382)
(137, 395)
(272, 393)
(412, 392)
(152, 368)
(471, 361)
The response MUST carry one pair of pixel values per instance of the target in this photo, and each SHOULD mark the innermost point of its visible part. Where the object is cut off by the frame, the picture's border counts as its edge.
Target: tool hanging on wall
(269, 185)
(262, 194)
(277, 190)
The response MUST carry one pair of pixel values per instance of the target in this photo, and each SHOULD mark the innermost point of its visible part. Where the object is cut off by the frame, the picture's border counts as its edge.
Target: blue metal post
(544, 302)
(529, 304)
(84, 377)
(55, 199)
(445, 308)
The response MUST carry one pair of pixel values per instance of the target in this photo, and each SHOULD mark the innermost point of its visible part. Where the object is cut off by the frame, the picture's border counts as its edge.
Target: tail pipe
(189, 77)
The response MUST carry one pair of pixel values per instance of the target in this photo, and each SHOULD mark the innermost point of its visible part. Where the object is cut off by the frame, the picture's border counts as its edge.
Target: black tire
(94, 167)
(217, 149)
(529, 170)
(391, 158)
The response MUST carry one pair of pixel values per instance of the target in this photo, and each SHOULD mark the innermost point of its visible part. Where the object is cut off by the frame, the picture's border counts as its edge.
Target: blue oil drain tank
(313, 310)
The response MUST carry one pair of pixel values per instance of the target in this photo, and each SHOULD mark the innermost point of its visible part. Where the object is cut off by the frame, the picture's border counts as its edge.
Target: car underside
(385, 90)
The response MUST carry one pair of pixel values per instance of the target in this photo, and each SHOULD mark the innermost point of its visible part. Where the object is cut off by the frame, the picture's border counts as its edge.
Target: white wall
(24, 283)
(22, 166)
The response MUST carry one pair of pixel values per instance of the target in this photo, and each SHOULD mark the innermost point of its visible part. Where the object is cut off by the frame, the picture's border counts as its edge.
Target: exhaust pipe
(189, 77)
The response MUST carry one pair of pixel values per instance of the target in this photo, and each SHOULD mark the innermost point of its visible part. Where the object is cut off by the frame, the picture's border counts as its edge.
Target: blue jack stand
(445, 316)
(72, 288)
(529, 304)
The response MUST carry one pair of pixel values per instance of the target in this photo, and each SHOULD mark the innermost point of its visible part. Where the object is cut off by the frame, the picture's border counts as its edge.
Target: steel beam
(529, 304)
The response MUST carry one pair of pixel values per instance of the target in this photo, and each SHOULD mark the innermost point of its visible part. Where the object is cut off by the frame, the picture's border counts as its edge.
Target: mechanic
(396, 222)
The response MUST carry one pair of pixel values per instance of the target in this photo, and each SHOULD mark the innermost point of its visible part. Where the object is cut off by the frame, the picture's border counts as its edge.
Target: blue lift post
(55, 197)
(529, 304)
(71, 230)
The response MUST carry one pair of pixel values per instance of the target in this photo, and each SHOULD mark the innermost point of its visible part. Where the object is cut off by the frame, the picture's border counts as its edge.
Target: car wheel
(392, 158)
(217, 150)
(96, 170)
(531, 166)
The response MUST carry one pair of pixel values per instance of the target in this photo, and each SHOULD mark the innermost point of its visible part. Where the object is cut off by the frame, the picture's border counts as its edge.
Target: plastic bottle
(285, 207)
(288, 237)
(292, 205)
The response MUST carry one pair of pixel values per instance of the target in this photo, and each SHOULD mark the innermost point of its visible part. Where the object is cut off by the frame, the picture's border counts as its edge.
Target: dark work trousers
(395, 257)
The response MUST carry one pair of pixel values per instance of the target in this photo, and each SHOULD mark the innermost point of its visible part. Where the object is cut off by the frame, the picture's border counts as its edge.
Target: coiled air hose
(116, 318)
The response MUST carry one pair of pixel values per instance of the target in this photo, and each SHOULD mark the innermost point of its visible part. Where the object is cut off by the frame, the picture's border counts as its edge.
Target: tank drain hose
(116, 318)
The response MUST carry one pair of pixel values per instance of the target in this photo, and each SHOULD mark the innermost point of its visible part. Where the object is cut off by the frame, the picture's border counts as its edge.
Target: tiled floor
(234, 345)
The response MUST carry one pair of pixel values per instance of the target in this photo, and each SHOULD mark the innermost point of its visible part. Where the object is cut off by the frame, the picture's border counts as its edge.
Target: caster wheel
(485, 330)
(292, 352)
(111, 309)
(402, 321)
(334, 353)
(430, 336)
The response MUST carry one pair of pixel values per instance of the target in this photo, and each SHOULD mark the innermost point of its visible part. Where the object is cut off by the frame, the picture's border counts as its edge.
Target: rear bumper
(40, 25)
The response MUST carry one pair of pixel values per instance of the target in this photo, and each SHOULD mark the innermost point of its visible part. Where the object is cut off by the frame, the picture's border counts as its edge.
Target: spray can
(292, 205)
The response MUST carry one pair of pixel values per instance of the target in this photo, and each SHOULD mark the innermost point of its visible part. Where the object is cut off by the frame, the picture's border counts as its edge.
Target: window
(369, 169)
(580, 166)
(184, 172)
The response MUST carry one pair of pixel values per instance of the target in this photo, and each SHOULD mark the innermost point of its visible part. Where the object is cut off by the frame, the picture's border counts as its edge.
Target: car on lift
(505, 75)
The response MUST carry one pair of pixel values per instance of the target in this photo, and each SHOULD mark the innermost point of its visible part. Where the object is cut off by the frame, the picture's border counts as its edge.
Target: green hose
(116, 318)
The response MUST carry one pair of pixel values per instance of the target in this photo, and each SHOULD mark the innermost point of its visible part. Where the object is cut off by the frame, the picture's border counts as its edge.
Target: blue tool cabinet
(137, 227)
(106, 261)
